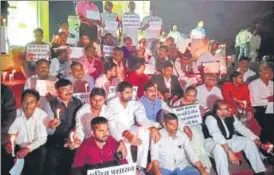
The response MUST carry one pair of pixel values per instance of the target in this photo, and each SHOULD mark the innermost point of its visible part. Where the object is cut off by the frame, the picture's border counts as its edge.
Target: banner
(45, 86)
(112, 92)
(83, 96)
(189, 115)
(107, 50)
(36, 52)
(131, 21)
(129, 169)
(76, 52)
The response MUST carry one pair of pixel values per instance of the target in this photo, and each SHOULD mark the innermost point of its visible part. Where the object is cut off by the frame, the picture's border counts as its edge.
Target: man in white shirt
(261, 93)
(30, 132)
(248, 74)
(243, 38)
(152, 25)
(222, 142)
(254, 44)
(199, 32)
(168, 154)
(129, 112)
(208, 92)
(131, 24)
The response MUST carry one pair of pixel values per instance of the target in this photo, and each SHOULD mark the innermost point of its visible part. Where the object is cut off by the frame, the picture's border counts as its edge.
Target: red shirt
(94, 68)
(138, 80)
(90, 154)
(239, 93)
(83, 6)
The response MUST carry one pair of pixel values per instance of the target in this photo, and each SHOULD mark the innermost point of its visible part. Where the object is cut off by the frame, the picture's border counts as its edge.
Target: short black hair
(166, 64)
(60, 51)
(244, 59)
(190, 88)
(138, 64)
(163, 47)
(97, 91)
(90, 46)
(109, 2)
(64, 22)
(75, 63)
(62, 33)
(149, 85)
(217, 105)
(84, 34)
(126, 38)
(62, 83)
(31, 92)
(108, 34)
(123, 85)
(42, 61)
(235, 74)
(38, 30)
(118, 49)
(98, 120)
(109, 65)
(170, 116)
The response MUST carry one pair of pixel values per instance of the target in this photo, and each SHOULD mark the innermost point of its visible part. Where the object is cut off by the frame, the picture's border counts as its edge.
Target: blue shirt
(151, 108)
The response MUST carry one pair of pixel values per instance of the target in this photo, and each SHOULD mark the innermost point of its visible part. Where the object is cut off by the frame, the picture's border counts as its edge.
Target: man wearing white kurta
(221, 141)
(131, 24)
(152, 25)
(130, 111)
(243, 68)
(110, 20)
(254, 44)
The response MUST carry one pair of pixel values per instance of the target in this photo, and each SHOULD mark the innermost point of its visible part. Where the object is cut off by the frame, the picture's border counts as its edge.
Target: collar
(61, 101)
(22, 114)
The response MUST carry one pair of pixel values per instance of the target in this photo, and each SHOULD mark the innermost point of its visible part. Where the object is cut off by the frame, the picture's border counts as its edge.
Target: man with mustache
(61, 111)
(131, 112)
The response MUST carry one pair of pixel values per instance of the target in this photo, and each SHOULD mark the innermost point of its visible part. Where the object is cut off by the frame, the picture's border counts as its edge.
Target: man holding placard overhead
(89, 16)
(131, 23)
(152, 25)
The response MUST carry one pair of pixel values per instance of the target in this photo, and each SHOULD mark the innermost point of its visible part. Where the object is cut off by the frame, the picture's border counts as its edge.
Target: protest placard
(111, 26)
(45, 86)
(107, 50)
(128, 169)
(112, 92)
(212, 67)
(95, 15)
(72, 41)
(76, 52)
(155, 25)
(189, 115)
(83, 96)
(131, 21)
(35, 52)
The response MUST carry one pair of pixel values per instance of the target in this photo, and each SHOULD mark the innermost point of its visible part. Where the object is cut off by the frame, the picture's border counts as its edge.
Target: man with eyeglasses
(221, 142)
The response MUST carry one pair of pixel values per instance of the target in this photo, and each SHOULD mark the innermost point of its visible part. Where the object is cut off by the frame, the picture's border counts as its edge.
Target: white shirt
(204, 96)
(84, 117)
(249, 73)
(170, 152)
(89, 79)
(155, 27)
(243, 37)
(259, 92)
(134, 111)
(177, 36)
(255, 42)
(208, 57)
(32, 132)
(110, 18)
(56, 67)
(216, 133)
(101, 81)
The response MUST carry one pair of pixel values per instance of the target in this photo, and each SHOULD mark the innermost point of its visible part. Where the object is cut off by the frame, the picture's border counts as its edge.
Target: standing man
(89, 16)
(61, 111)
(199, 32)
(255, 44)
(243, 39)
(152, 25)
(131, 24)
(129, 112)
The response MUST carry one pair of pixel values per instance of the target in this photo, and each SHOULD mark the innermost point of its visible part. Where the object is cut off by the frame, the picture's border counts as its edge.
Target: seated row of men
(47, 137)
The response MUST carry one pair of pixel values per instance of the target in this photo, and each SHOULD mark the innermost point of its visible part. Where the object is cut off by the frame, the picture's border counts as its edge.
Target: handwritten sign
(93, 15)
(131, 21)
(112, 92)
(36, 52)
(83, 96)
(72, 41)
(155, 25)
(107, 50)
(76, 52)
(128, 169)
(45, 86)
(189, 115)
(211, 67)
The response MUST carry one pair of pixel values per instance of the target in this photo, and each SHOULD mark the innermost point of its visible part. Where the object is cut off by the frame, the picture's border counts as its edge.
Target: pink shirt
(83, 6)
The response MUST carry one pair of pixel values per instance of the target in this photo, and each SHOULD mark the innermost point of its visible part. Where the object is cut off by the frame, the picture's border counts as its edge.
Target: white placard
(269, 108)
(128, 169)
(189, 115)
(211, 67)
(35, 52)
(112, 92)
(107, 50)
(111, 26)
(150, 69)
(76, 52)
(93, 15)
(45, 86)
(155, 25)
(131, 21)
(83, 96)
(18, 167)
(72, 41)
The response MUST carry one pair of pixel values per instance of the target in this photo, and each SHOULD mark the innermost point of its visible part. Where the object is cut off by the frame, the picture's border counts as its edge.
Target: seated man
(99, 150)
(79, 79)
(248, 74)
(161, 57)
(222, 142)
(120, 61)
(168, 154)
(31, 134)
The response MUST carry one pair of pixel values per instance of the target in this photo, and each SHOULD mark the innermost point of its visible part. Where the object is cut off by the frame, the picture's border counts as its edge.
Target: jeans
(244, 50)
(186, 171)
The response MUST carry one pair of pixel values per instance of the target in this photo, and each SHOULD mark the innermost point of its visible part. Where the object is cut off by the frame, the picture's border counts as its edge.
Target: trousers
(237, 144)
(244, 50)
(186, 171)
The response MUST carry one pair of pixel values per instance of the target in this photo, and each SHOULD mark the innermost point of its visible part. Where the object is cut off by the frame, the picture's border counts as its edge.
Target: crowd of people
(57, 133)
